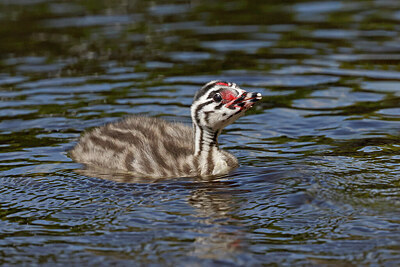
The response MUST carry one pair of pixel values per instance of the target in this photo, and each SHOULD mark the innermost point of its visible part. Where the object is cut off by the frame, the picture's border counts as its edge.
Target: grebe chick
(151, 147)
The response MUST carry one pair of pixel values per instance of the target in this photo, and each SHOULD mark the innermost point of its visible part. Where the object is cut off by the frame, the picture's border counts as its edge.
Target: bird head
(218, 104)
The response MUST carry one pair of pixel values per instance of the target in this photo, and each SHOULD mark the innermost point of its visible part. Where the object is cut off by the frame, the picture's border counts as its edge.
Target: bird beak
(244, 101)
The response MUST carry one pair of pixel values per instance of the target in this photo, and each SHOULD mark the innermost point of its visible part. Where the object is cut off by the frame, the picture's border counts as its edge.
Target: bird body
(152, 147)
(148, 147)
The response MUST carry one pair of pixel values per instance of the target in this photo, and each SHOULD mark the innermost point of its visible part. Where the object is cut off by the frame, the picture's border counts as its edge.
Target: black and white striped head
(218, 104)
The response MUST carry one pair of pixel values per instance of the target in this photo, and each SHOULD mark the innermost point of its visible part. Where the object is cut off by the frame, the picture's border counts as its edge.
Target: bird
(154, 148)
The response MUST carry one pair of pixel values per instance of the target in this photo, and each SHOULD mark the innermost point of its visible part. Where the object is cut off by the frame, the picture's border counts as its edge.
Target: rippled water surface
(319, 181)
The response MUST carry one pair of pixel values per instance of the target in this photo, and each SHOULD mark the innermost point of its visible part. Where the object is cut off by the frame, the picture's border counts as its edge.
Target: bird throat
(206, 139)
(206, 148)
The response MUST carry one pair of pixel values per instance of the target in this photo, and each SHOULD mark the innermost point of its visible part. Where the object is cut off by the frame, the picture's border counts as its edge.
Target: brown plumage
(152, 147)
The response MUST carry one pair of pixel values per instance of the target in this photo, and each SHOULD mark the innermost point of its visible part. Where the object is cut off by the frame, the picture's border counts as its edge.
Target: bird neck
(206, 140)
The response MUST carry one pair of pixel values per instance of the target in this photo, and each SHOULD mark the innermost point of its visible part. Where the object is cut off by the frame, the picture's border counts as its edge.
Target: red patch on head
(221, 83)
(228, 95)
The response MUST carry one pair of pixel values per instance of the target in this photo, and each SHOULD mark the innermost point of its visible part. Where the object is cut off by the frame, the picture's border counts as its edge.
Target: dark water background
(319, 181)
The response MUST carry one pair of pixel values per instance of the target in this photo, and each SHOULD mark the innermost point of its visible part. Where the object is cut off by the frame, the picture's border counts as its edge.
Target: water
(319, 180)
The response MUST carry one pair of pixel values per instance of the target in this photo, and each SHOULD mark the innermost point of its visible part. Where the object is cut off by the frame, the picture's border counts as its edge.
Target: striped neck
(206, 149)
(205, 139)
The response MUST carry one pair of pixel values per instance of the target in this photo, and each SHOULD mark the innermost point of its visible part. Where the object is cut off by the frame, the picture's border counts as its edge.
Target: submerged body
(151, 147)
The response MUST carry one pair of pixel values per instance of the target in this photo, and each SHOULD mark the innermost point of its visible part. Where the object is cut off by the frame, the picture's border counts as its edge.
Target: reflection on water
(319, 177)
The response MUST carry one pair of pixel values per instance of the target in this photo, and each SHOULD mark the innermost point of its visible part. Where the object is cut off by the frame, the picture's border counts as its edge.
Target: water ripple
(319, 177)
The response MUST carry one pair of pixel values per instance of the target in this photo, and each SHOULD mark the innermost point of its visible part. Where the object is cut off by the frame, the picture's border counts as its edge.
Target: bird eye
(217, 98)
